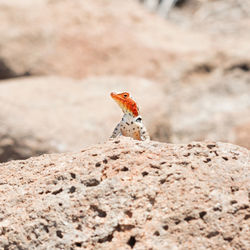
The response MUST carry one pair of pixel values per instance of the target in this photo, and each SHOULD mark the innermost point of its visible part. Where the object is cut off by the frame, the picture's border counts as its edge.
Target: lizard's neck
(128, 117)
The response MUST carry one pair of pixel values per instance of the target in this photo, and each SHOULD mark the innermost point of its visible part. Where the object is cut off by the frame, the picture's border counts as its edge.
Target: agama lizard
(131, 124)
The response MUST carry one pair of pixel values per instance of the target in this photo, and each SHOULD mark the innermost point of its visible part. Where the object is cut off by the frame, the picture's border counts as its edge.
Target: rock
(128, 194)
(53, 114)
(242, 134)
(217, 17)
(211, 110)
(205, 81)
(97, 38)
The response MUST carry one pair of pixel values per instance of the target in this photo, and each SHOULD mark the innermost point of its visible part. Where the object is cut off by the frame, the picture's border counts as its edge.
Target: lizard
(131, 124)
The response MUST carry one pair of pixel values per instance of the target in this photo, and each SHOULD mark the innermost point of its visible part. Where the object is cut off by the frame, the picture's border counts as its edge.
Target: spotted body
(131, 124)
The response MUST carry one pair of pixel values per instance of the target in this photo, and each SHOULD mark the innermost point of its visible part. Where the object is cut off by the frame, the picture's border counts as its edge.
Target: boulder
(112, 38)
(76, 39)
(213, 109)
(127, 194)
(242, 133)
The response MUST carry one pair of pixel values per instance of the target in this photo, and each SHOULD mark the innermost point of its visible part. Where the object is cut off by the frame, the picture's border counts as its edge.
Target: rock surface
(110, 37)
(199, 66)
(209, 106)
(127, 194)
(97, 38)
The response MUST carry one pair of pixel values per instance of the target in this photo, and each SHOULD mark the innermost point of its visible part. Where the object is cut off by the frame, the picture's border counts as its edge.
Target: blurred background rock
(185, 61)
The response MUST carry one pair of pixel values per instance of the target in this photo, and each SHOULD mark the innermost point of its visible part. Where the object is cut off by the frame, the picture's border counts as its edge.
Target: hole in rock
(124, 169)
(98, 164)
(78, 244)
(114, 157)
(100, 212)
(131, 242)
(72, 189)
(202, 214)
(57, 191)
(73, 175)
(212, 234)
(128, 213)
(181, 3)
(105, 239)
(59, 234)
(189, 218)
(156, 233)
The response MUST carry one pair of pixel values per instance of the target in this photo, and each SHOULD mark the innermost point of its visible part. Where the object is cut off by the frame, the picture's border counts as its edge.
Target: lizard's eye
(125, 95)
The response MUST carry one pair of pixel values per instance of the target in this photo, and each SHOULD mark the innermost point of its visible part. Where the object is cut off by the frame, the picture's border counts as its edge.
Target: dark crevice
(72, 189)
(212, 234)
(247, 216)
(73, 175)
(128, 213)
(78, 244)
(232, 202)
(59, 234)
(156, 233)
(189, 218)
(124, 169)
(131, 242)
(100, 212)
(177, 222)
(57, 191)
(202, 69)
(124, 227)
(98, 164)
(234, 189)
(91, 182)
(106, 238)
(151, 200)
(207, 160)
(202, 214)
(229, 239)
(6, 72)
(180, 3)
(114, 157)
(46, 229)
(242, 66)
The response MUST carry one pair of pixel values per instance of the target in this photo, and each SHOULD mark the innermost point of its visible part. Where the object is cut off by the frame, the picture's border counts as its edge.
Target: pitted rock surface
(127, 194)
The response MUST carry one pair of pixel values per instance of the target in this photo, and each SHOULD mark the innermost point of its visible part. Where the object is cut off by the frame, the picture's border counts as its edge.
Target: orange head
(127, 104)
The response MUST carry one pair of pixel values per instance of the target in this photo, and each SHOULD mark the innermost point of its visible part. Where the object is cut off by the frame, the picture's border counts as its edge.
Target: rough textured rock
(127, 194)
(53, 114)
(203, 67)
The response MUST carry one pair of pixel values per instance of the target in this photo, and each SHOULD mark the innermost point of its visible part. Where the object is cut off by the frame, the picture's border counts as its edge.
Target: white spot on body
(132, 127)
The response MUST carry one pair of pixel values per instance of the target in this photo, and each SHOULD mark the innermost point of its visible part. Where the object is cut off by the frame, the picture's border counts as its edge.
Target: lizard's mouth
(127, 105)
